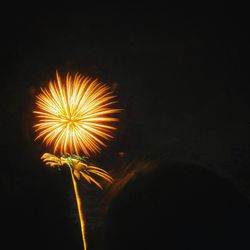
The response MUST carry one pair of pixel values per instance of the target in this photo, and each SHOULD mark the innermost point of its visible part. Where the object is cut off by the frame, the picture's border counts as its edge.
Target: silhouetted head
(178, 206)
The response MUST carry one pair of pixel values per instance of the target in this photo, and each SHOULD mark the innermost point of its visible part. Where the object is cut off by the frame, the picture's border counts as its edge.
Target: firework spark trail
(75, 117)
(78, 169)
(80, 210)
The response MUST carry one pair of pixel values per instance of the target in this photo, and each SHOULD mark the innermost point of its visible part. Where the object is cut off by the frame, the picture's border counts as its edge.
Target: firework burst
(76, 116)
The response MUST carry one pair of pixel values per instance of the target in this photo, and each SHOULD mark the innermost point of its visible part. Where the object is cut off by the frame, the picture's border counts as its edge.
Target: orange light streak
(80, 210)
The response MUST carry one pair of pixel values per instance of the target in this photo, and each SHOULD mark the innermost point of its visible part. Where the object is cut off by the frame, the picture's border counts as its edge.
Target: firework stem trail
(80, 211)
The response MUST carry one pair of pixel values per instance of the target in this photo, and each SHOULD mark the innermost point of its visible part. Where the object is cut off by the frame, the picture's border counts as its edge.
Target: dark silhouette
(178, 206)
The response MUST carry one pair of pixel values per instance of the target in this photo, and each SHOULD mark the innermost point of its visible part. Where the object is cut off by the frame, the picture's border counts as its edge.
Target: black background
(181, 76)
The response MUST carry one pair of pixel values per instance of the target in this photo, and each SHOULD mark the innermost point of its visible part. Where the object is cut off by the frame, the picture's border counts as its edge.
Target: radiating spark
(76, 116)
(79, 167)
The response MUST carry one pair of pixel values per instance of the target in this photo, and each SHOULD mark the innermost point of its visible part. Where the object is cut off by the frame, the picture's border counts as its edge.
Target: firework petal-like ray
(79, 169)
(91, 179)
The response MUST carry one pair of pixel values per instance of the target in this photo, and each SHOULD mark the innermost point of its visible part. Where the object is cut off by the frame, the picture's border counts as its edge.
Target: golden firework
(76, 116)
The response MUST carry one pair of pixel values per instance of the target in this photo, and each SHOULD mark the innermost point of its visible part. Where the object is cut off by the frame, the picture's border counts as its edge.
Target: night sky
(182, 77)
